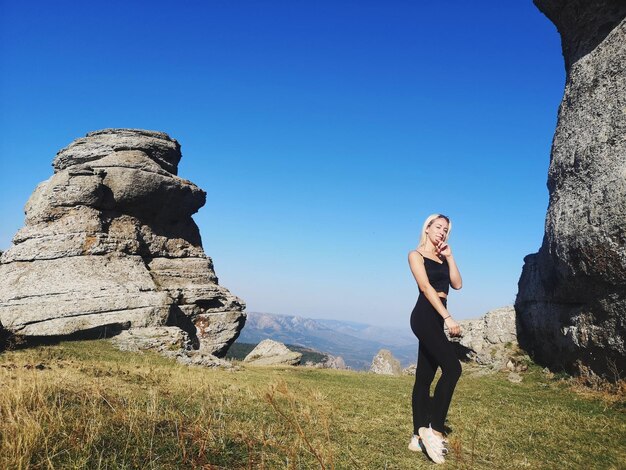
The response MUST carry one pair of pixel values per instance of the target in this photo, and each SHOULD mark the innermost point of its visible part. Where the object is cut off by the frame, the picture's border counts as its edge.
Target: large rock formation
(571, 304)
(109, 244)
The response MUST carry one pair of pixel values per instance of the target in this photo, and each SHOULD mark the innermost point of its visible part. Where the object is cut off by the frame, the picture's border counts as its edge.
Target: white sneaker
(414, 445)
(433, 444)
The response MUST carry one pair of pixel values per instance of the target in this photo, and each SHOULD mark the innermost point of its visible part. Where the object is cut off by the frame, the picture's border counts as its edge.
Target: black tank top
(438, 274)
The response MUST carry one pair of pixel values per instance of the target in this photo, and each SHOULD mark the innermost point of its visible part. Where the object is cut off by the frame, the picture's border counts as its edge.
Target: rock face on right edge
(571, 303)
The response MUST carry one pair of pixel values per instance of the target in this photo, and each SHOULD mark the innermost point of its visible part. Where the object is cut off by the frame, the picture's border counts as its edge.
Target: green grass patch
(87, 405)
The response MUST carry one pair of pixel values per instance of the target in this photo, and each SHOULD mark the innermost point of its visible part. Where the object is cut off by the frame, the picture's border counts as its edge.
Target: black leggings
(435, 350)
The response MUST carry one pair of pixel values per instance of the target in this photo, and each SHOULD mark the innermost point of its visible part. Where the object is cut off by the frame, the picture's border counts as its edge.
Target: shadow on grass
(12, 342)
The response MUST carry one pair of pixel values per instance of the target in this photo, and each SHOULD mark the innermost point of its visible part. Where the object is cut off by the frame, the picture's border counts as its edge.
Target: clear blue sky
(323, 132)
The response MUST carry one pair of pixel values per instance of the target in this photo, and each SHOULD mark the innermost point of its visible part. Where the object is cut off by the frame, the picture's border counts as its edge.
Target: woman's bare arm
(455, 276)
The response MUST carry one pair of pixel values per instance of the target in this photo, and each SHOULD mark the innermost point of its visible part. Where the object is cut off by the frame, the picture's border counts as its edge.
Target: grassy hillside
(86, 405)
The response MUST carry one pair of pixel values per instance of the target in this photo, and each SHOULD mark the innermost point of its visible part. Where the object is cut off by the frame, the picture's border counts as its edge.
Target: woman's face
(437, 231)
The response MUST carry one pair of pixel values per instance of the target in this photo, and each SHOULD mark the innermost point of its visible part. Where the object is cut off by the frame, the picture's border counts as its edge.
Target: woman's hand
(453, 327)
(443, 249)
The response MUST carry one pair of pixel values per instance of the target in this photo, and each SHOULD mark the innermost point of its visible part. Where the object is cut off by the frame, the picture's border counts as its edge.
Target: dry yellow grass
(86, 405)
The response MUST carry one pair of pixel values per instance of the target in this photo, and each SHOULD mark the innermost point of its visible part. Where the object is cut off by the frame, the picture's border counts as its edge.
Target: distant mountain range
(357, 343)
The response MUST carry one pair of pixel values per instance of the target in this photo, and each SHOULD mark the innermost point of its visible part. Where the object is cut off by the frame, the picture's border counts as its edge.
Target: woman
(434, 269)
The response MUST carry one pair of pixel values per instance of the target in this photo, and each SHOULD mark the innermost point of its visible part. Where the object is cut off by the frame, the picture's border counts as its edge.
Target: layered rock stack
(109, 244)
(571, 304)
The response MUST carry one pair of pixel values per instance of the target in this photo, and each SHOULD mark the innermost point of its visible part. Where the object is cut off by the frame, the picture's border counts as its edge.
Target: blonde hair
(428, 222)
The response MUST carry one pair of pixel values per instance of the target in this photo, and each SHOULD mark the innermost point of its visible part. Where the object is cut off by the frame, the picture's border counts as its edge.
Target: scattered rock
(333, 362)
(169, 341)
(514, 377)
(199, 358)
(571, 302)
(109, 243)
(410, 370)
(329, 362)
(384, 363)
(316, 365)
(517, 364)
(269, 352)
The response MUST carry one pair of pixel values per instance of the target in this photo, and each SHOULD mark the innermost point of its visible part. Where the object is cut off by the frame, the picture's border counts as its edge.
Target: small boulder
(333, 362)
(514, 377)
(410, 370)
(272, 353)
(198, 358)
(517, 364)
(384, 363)
(316, 365)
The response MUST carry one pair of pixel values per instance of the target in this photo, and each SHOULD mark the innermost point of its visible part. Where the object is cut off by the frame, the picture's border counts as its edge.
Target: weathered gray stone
(316, 365)
(334, 362)
(158, 146)
(514, 364)
(514, 377)
(169, 341)
(272, 353)
(198, 358)
(384, 363)
(109, 241)
(489, 340)
(156, 338)
(571, 303)
(329, 362)
(409, 370)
